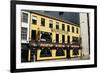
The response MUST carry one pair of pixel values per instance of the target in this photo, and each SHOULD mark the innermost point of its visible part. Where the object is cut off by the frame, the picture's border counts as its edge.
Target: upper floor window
(34, 20)
(75, 39)
(23, 33)
(57, 38)
(68, 28)
(76, 30)
(46, 36)
(72, 29)
(42, 21)
(50, 24)
(63, 27)
(63, 39)
(57, 25)
(68, 39)
(24, 17)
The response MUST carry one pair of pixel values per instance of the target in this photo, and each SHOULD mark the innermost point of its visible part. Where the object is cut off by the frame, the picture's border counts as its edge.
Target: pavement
(71, 59)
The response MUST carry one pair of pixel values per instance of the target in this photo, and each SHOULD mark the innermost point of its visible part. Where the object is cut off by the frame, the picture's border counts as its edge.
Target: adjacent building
(84, 25)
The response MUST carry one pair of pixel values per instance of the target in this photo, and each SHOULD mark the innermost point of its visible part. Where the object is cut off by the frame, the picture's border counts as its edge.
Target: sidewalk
(71, 59)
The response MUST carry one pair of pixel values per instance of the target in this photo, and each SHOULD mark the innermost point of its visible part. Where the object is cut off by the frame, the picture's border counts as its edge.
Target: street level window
(63, 27)
(60, 52)
(75, 52)
(42, 21)
(50, 24)
(45, 52)
(34, 20)
(72, 29)
(24, 17)
(68, 28)
(23, 33)
(76, 30)
(57, 25)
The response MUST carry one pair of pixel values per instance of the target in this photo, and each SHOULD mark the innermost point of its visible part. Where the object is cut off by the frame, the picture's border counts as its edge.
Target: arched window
(45, 52)
(60, 52)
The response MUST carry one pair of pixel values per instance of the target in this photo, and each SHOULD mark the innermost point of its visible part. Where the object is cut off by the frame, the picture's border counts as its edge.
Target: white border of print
(20, 65)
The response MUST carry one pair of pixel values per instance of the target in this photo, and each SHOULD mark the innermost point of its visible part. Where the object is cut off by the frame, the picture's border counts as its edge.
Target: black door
(24, 55)
(33, 35)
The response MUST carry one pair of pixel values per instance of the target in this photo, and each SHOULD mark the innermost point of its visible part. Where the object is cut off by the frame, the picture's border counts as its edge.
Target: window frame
(35, 18)
(63, 27)
(57, 25)
(42, 21)
(73, 29)
(68, 28)
(50, 23)
(23, 17)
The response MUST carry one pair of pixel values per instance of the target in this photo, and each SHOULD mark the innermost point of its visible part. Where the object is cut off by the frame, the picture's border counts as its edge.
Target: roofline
(53, 17)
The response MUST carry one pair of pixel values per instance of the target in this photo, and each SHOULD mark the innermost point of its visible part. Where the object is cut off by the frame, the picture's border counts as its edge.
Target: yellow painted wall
(29, 55)
(47, 29)
(53, 52)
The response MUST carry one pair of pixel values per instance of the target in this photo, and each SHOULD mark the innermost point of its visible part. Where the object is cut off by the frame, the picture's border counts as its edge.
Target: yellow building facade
(63, 34)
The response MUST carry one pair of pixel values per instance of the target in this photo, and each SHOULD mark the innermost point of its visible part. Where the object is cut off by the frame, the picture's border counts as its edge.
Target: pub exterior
(45, 37)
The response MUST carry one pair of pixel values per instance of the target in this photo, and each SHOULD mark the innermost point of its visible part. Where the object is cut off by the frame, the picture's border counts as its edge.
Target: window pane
(34, 20)
(68, 28)
(46, 36)
(51, 24)
(75, 52)
(68, 39)
(63, 27)
(75, 40)
(57, 25)
(45, 52)
(76, 30)
(57, 38)
(42, 21)
(73, 29)
(25, 17)
(24, 33)
(60, 52)
(63, 39)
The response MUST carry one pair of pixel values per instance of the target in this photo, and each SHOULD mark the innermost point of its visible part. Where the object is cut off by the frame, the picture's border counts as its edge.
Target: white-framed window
(23, 33)
(24, 17)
